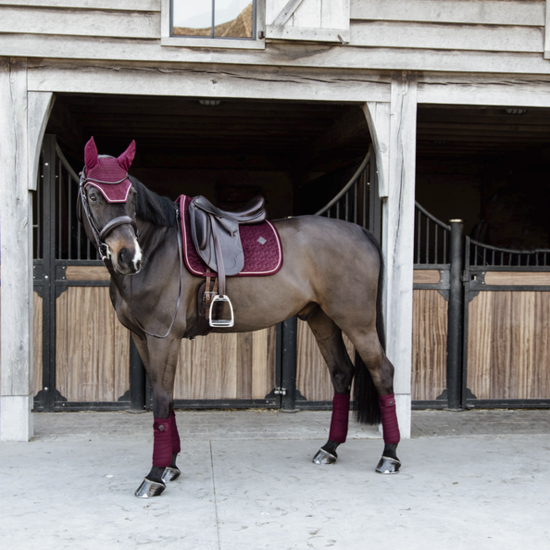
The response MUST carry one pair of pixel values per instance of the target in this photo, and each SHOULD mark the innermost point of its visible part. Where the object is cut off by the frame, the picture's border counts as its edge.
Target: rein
(102, 247)
(179, 293)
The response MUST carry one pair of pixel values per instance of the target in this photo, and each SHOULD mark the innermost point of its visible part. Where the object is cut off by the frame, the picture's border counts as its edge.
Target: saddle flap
(227, 234)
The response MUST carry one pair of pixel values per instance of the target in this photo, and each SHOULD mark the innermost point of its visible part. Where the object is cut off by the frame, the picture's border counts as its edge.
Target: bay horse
(331, 277)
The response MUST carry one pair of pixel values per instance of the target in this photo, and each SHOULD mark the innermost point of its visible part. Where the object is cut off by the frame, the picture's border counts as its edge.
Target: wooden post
(393, 129)
(23, 118)
(16, 220)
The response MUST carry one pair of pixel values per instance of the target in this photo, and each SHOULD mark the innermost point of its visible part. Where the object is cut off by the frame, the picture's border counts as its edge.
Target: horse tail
(365, 394)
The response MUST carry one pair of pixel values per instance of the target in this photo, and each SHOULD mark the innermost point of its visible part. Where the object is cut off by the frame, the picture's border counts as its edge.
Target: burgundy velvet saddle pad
(263, 253)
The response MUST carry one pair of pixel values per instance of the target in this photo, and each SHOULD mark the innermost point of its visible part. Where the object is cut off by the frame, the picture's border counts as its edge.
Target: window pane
(192, 17)
(234, 18)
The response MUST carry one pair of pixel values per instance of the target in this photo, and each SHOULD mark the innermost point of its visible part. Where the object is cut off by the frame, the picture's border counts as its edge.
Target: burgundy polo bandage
(390, 427)
(340, 416)
(162, 450)
(176, 443)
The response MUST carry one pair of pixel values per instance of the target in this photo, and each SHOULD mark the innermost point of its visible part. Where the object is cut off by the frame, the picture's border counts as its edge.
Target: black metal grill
(485, 255)
(358, 202)
(432, 239)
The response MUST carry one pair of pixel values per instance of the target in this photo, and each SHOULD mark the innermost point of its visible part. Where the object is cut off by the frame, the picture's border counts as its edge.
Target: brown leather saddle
(217, 240)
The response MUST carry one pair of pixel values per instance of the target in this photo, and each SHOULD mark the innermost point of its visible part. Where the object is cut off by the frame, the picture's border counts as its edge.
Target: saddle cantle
(217, 240)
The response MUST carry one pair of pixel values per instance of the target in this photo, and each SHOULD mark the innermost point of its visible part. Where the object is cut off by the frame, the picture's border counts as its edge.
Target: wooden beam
(398, 238)
(40, 105)
(275, 55)
(16, 288)
(242, 82)
(286, 13)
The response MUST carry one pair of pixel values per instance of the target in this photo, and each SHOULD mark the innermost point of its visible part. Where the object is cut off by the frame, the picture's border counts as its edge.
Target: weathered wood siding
(92, 347)
(505, 36)
(227, 366)
(509, 345)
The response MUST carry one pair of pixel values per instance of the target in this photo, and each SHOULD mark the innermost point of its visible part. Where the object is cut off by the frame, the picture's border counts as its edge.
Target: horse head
(107, 199)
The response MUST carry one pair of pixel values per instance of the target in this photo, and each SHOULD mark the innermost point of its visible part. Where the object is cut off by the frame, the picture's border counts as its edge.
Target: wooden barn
(427, 121)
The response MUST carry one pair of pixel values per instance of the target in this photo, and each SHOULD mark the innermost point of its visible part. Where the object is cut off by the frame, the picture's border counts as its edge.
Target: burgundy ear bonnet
(109, 174)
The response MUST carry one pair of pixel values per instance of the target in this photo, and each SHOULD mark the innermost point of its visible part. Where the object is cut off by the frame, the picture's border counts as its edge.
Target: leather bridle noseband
(100, 234)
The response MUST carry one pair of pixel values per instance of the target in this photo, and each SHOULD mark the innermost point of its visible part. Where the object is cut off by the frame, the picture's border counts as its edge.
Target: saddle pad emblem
(261, 259)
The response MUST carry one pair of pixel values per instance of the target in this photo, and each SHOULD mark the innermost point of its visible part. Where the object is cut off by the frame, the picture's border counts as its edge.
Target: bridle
(103, 247)
(100, 234)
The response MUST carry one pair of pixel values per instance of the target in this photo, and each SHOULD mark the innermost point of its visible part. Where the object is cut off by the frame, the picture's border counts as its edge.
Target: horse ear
(125, 160)
(90, 154)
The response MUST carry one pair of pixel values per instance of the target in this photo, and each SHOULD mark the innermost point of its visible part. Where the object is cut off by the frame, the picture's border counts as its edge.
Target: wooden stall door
(509, 345)
(92, 347)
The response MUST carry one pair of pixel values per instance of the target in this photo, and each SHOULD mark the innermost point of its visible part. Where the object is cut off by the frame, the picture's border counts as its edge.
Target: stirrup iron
(221, 323)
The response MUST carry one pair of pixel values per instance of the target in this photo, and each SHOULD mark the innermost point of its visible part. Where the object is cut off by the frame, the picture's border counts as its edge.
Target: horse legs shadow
(160, 360)
(373, 389)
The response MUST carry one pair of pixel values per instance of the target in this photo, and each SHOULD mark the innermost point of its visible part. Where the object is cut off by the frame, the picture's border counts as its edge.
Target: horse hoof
(171, 473)
(388, 465)
(149, 489)
(322, 457)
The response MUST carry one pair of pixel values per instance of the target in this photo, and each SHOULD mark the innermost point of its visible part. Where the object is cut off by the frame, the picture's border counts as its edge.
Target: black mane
(153, 208)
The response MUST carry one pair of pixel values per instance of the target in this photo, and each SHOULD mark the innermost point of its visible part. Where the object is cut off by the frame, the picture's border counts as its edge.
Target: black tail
(365, 395)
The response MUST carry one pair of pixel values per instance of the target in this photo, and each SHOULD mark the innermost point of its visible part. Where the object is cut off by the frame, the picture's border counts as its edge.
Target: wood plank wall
(227, 366)
(37, 344)
(429, 355)
(431, 35)
(92, 347)
(509, 345)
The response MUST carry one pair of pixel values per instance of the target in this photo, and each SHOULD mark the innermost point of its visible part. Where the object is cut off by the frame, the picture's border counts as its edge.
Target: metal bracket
(445, 281)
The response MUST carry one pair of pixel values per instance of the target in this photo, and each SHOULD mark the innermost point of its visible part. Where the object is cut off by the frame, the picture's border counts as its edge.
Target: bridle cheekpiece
(101, 234)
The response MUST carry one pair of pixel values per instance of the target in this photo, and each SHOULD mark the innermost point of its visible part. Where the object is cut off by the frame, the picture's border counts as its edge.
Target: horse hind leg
(374, 374)
(331, 344)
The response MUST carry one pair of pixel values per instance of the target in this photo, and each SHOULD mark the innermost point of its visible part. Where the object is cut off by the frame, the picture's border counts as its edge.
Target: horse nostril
(138, 265)
(123, 257)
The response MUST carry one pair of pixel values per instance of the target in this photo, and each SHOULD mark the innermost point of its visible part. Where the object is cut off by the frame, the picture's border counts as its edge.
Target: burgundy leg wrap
(176, 443)
(340, 415)
(390, 428)
(162, 450)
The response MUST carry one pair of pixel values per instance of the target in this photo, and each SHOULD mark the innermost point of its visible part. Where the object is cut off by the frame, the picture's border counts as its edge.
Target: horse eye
(92, 197)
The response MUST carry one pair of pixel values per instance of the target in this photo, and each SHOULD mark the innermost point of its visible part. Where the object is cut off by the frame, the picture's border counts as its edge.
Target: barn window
(213, 18)
(213, 23)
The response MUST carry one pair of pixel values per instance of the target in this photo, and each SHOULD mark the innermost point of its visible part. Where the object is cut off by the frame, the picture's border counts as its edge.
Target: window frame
(166, 38)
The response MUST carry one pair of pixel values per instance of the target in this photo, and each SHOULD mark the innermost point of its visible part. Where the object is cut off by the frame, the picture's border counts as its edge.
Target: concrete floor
(472, 480)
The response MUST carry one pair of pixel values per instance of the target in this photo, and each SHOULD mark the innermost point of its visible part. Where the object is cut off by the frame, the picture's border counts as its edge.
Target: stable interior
(487, 163)
(297, 154)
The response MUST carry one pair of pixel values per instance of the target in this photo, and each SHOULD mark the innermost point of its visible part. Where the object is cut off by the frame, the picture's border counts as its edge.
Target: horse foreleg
(160, 359)
(329, 339)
